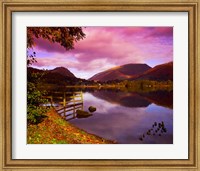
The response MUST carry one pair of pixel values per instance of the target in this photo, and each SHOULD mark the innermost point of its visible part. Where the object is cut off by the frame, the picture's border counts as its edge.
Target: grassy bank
(55, 130)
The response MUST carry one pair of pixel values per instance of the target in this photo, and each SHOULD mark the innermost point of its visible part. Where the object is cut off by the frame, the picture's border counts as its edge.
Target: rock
(92, 109)
(82, 114)
(141, 139)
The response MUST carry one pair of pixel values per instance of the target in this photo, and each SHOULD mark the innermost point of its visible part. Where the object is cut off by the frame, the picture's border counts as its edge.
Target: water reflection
(161, 98)
(124, 117)
(121, 98)
(133, 99)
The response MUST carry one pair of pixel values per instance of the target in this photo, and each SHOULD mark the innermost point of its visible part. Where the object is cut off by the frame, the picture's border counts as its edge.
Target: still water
(129, 118)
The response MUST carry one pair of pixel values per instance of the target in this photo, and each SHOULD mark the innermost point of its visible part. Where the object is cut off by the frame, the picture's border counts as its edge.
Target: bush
(35, 112)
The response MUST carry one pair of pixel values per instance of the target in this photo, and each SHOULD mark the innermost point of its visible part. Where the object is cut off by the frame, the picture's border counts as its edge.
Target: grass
(55, 130)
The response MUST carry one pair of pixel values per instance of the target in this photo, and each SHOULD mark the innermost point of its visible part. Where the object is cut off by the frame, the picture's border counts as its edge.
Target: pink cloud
(162, 32)
(45, 45)
(105, 47)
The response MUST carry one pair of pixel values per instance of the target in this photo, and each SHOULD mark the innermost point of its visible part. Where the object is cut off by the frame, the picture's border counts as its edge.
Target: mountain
(161, 72)
(58, 76)
(121, 72)
(33, 70)
(63, 71)
(59, 70)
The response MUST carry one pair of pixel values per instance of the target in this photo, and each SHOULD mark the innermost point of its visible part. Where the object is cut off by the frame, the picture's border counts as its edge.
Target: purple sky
(106, 47)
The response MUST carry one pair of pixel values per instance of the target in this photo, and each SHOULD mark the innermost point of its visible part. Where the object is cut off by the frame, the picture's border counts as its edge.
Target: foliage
(65, 36)
(35, 112)
(55, 130)
(31, 58)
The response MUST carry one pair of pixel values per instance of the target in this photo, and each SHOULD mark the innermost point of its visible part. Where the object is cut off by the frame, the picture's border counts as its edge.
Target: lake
(128, 117)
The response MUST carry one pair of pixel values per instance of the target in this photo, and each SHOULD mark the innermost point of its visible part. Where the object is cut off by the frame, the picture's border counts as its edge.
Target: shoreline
(56, 130)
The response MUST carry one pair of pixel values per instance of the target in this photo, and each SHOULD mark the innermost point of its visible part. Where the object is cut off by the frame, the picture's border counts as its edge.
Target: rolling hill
(121, 72)
(59, 70)
(62, 76)
(63, 71)
(161, 72)
(58, 76)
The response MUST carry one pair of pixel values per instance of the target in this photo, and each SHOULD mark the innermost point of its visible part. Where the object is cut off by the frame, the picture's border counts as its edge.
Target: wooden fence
(69, 102)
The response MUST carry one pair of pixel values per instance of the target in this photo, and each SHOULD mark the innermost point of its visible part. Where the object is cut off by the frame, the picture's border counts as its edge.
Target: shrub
(35, 110)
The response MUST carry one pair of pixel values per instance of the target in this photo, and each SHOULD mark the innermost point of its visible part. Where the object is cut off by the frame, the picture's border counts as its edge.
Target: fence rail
(70, 102)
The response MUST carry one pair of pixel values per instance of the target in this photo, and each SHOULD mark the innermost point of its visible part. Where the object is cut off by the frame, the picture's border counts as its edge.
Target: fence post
(82, 99)
(74, 104)
(64, 103)
(51, 101)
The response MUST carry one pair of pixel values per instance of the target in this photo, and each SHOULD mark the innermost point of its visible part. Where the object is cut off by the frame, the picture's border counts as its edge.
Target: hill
(161, 72)
(59, 70)
(63, 71)
(58, 76)
(121, 72)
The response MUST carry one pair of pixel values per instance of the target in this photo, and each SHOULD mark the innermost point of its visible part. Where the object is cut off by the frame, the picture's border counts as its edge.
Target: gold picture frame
(9, 6)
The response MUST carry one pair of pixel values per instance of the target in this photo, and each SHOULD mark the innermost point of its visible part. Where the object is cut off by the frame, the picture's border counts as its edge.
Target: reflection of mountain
(122, 98)
(121, 72)
(161, 98)
(134, 101)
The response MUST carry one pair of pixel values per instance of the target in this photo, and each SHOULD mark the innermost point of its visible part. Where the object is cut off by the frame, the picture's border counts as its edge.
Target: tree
(65, 36)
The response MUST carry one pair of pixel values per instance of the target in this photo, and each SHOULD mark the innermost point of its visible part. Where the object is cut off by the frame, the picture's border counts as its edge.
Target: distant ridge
(161, 72)
(123, 72)
(62, 76)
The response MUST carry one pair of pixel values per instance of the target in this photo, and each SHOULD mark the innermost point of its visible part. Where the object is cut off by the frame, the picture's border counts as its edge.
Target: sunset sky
(107, 47)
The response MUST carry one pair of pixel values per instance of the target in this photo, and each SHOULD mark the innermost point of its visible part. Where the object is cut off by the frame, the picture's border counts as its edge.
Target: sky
(107, 47)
